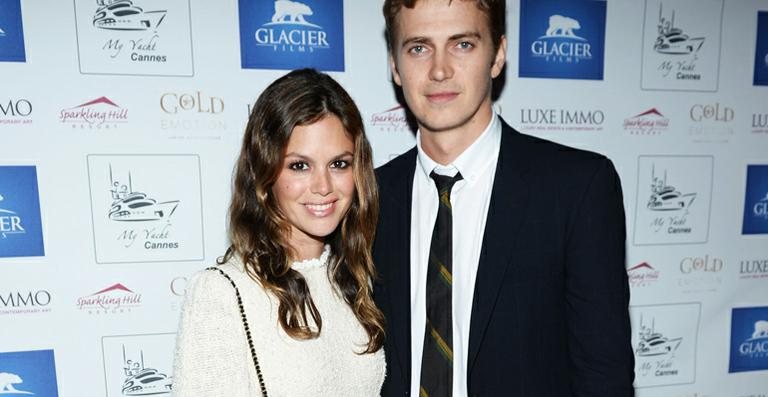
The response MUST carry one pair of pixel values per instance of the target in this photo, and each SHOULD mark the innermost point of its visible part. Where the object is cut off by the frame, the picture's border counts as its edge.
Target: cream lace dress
(212, 355)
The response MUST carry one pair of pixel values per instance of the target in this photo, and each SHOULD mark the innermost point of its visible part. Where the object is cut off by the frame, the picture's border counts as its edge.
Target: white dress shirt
(470, 198)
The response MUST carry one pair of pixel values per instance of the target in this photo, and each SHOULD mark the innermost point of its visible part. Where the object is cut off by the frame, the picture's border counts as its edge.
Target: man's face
(443, 58)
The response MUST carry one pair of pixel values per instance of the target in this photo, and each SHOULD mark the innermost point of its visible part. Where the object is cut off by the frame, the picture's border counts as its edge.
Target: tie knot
(444, 183)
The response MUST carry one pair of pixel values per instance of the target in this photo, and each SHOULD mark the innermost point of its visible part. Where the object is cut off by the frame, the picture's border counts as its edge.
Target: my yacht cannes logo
(138, 365)
(681, 44)
(138, 37)
(146, 208)
(286, 34)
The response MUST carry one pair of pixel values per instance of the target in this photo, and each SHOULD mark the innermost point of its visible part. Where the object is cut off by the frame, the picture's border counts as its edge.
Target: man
(501, 256)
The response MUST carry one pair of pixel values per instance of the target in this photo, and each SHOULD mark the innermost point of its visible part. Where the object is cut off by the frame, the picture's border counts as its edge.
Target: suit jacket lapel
(509, 201)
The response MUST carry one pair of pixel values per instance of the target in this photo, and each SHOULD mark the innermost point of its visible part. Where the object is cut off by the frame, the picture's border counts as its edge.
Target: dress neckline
(312, 263)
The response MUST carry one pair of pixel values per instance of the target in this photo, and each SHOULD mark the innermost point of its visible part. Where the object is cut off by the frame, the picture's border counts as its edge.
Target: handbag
(247, 330)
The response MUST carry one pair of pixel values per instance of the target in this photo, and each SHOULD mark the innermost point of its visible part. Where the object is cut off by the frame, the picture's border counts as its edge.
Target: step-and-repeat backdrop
(120, 121)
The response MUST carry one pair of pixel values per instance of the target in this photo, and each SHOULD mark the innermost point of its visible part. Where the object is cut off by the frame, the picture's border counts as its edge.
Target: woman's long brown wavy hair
(259, 232)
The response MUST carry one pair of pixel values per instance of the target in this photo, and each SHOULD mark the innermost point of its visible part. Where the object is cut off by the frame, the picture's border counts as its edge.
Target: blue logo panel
(562, 39)
(30, 373)
(761, 50)
(21, 232)
(756, 201)
(288, 34)
(11, 32)
(749, 339)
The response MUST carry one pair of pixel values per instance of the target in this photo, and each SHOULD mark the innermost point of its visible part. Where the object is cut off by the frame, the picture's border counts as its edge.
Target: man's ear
(393, 68)
(500, 58)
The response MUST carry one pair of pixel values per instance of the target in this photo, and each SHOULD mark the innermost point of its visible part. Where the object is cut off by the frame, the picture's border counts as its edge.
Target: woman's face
(316, 186)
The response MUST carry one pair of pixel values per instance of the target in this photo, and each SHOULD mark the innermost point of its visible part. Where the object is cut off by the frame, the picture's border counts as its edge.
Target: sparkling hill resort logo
(98, 114)
(114, 299)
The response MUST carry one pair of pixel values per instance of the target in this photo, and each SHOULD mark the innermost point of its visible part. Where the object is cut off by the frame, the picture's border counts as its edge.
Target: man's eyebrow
(464, 35)
(417, 40)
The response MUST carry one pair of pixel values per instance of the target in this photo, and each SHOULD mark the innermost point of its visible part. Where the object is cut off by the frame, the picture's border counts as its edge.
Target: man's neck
(445, 146)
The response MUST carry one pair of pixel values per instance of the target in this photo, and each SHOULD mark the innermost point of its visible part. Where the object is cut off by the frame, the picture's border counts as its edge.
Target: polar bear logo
(7, 380)
(761, 330)
(293, 10)
(562, 26)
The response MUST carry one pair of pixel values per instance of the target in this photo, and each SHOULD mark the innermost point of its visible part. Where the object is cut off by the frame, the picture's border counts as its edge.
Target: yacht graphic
(123, 15)
(2, 32)
(653, 343)
(665, 197)
(672, 40)
(131, 206)
(143, 381)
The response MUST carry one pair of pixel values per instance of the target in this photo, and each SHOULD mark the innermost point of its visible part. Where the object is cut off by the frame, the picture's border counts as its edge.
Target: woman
(302, 220)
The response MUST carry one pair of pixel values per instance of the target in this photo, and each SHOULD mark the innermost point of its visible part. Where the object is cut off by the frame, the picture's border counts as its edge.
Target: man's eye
(417, 49)
(298, 166)
(465, 45)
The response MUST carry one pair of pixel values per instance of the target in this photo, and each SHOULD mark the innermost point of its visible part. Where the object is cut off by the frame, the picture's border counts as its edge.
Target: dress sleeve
(211, 356)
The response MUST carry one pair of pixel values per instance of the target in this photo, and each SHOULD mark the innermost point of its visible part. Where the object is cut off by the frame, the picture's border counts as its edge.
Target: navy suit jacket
(550, 308)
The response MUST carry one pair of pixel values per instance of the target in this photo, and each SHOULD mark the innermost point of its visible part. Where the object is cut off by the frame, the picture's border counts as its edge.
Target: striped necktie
(437, 357)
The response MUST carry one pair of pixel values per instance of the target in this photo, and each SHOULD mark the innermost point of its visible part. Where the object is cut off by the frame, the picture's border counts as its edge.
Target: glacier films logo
(25, 302)
(11, 32)
(674, 41)
(700, 274)
(561, 120)
(671, 205)
(16, 111)
(130, 207)
(21, 232)
(661, 348)
(391, 120)
(761, 50)
(571, 45)
(560, 43)
(28, 373)
(642, 275)
(753, 268)
(650, 122)
(749, 339)
(141, 379)
(191, 111)
(756, 200)
(124, 15)
(10, 222)
(114, 299)
(98, 114)
(297, 34)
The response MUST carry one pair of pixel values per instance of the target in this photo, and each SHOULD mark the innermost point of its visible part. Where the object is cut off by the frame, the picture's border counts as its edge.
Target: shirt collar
(473, 160)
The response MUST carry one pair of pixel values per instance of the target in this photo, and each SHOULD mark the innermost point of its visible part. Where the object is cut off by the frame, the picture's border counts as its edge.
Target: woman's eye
(340, 164)
(298, 166)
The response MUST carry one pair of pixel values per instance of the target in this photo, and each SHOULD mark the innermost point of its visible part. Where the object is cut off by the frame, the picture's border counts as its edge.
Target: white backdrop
(100, 118)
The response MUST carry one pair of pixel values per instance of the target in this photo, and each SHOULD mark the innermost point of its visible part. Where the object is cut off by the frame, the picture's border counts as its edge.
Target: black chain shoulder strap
(247, 330)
